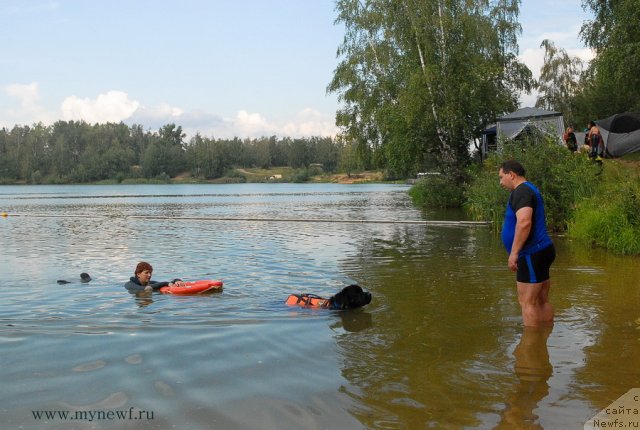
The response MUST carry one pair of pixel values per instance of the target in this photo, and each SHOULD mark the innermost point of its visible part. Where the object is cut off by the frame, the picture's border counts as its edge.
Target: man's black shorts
(534, 268)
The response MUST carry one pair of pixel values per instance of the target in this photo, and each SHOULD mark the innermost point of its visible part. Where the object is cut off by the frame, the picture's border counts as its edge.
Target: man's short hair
(142, 266)
(512, 166)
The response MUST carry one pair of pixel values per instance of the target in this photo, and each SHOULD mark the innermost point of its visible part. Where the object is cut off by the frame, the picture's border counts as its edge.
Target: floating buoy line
(264, 219)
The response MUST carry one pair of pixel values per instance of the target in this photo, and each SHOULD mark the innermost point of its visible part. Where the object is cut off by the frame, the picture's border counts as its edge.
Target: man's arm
(524, 217)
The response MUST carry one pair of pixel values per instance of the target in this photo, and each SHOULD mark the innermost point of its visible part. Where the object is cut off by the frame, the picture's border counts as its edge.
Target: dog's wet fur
(351, 297)
(84, 278)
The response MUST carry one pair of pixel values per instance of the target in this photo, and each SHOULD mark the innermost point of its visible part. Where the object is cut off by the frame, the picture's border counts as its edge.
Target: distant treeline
(77, 152)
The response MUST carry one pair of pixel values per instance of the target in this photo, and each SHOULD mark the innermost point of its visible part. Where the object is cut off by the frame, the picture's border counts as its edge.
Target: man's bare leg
(534, 302)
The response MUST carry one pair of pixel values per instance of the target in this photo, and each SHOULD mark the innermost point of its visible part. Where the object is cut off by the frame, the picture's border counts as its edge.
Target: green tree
(611, 83)
(299, 153)
(166, 155)
(348, 159)
(139, 141)
(68, 145)
(420, 78)
(8, 163)
(262, 152)
(34, 157)
(326, 153)
(162, 158)
(559, 80)
(172, 135)
(206, 157)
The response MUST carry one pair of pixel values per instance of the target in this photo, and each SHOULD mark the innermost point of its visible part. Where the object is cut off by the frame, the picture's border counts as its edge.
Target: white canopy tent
(547, 122)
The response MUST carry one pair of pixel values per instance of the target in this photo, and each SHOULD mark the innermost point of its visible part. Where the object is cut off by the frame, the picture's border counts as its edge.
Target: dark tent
(621, 133)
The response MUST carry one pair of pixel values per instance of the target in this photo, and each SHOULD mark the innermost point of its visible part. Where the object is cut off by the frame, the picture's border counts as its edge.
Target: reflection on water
(440, 346)
(533, 370)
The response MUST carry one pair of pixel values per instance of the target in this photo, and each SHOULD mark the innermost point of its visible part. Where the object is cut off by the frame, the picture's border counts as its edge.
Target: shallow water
(440, 346)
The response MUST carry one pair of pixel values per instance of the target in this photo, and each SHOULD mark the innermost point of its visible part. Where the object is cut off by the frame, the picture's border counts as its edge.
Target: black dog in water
(84, 278)
(350, 297)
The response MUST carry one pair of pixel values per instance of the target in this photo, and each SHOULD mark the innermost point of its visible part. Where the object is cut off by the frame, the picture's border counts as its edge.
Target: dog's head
(351, 297)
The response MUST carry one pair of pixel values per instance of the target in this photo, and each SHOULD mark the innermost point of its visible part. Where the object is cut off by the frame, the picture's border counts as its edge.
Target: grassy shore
(592, 202)
(287, 175)
(245, 175)
(611, 217)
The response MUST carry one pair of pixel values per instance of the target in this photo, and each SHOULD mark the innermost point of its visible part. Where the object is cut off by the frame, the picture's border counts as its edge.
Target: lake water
(440, 346)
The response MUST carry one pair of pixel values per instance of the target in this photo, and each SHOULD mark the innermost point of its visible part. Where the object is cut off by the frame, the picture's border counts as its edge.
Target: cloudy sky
(224, 68)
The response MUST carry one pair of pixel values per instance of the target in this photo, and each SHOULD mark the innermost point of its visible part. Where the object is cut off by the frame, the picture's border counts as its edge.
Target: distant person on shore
(595, 141)
(141, 281)
(570, 140)
(531, 251)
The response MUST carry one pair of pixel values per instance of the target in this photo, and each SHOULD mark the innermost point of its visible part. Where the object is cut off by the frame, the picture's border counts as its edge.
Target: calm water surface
(440, 346)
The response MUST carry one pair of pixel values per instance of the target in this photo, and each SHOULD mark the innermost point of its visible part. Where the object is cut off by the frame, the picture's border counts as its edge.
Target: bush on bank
(563, 178)
(611, 217)
(595, 203)
(437, 192)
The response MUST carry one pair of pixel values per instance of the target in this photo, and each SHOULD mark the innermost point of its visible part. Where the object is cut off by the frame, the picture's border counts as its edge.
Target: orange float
(192, 288)
(308, 301)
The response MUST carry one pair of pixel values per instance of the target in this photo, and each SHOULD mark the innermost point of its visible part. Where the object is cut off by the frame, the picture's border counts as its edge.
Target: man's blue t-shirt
(526, 195)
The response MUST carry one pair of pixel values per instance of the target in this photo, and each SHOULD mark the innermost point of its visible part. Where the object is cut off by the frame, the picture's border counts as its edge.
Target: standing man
(595, 141)
(531, 251)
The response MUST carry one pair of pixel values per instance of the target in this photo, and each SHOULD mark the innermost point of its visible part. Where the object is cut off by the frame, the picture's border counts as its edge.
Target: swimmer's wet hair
(142, 266)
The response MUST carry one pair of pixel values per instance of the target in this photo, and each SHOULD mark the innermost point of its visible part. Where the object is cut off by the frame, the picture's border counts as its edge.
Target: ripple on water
(112, 401)
(87, 367)
(134, 359)
(441, 330)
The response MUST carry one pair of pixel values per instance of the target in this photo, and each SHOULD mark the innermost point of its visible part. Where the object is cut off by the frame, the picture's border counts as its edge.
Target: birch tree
(559, 80)
(419, 79)
(611, 83)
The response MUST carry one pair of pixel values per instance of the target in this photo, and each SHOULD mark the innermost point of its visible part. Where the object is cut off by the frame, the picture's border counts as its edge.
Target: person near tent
(595, 141)
(570, 140)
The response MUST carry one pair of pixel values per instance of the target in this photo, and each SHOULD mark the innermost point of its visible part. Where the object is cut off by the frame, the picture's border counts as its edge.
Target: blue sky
(224, 68)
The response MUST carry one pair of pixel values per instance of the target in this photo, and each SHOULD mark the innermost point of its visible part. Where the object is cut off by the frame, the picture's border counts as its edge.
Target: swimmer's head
(142, 266)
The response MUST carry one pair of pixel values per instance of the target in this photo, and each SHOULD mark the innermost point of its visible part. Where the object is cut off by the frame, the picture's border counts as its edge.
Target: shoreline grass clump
(564, 179)
(611, 217)
(436, 191)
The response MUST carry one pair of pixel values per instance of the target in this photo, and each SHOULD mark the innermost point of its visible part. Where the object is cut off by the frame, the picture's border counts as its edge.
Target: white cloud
(27, 93)
(542, 21)
(534, 59)
(306, 123)
(116, 106)
(113, 106)
(154, 117)
(252, 123)
(29, 110)
(310, 122)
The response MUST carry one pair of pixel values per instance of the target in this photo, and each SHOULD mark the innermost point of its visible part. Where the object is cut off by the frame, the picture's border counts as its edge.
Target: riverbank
(610, 218)
(246, 175)
(597, 203)
(287, 175)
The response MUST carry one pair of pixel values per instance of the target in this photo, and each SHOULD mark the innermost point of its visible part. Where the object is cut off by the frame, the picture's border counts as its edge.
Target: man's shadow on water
(533, 369)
